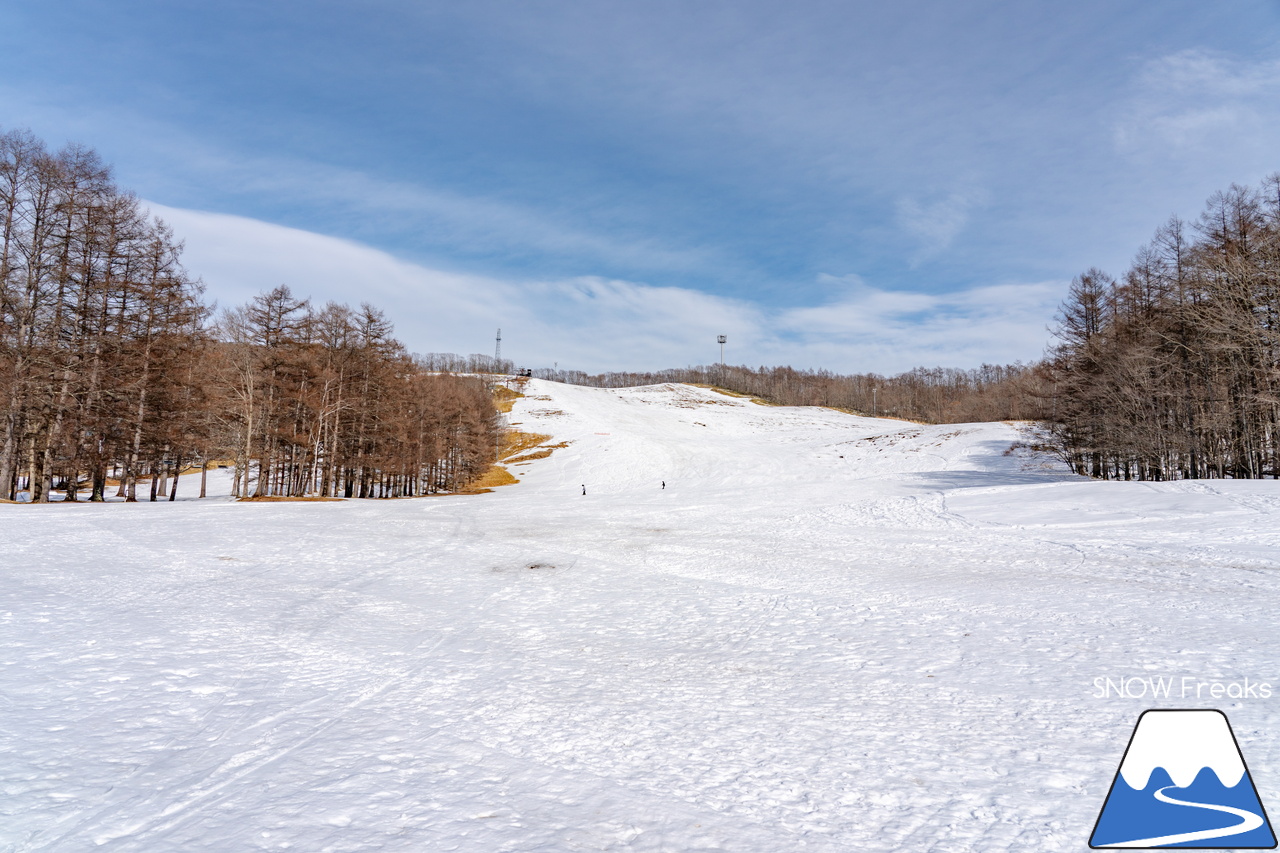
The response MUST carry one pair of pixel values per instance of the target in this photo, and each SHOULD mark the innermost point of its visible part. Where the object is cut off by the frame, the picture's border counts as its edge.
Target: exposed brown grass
(517, 448)
(515, 443)
(504, 398)
(759, 401)
(719, 390)
(496, 476)
(529, 457)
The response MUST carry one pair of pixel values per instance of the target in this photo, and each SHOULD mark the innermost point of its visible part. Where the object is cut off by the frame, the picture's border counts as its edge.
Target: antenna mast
(497, 350)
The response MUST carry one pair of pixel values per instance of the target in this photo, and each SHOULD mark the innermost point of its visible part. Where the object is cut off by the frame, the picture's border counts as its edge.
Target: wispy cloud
(935, 223)
(596, 324)
(464, 224)
(404, 211)
(1194, 101)
(895, 330)
(734, 148)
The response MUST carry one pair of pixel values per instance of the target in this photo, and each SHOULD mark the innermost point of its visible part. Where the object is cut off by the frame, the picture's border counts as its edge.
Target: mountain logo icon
(1183, 783)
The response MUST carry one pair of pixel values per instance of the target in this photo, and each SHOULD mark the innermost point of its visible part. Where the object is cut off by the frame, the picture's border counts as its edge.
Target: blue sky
(857, 186)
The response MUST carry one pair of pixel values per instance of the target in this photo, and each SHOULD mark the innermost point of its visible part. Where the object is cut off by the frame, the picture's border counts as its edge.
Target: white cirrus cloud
(1194, 101)
(934, 223)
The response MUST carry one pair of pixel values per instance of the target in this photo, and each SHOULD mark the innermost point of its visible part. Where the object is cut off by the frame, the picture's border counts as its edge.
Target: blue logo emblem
(1183, 783)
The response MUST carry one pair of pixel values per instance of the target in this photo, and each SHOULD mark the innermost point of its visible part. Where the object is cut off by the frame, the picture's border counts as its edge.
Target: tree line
(326, 402)
(115, 371)
(1173, 370)
(933, 395)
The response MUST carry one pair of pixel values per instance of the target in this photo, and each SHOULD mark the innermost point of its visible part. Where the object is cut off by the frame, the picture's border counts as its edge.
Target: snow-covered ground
(827, 633)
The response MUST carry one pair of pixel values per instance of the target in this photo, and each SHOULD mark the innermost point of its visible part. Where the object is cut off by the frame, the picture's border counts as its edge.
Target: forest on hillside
(115, 373)
(933, 395)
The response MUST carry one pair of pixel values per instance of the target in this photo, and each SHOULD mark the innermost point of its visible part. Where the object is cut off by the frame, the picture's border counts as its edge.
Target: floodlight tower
(497, 350)
(721, 340)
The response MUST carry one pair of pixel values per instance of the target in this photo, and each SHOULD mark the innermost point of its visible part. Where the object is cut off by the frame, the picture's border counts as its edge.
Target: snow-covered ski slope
(827, 633)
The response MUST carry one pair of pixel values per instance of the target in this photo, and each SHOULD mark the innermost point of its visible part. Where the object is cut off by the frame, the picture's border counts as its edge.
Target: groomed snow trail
(827, 633)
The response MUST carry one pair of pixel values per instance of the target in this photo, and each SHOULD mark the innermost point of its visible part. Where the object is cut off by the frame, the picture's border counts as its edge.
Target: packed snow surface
(826, 633)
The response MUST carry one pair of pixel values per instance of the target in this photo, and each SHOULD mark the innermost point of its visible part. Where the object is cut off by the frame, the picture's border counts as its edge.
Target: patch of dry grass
(719, 390)
(759, 401)
(515, 442)
(517, 448)
(504, 398)
(496, 476)
(529, 457)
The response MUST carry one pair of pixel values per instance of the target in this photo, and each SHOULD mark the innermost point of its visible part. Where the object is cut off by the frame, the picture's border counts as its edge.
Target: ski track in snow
(827, 633)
